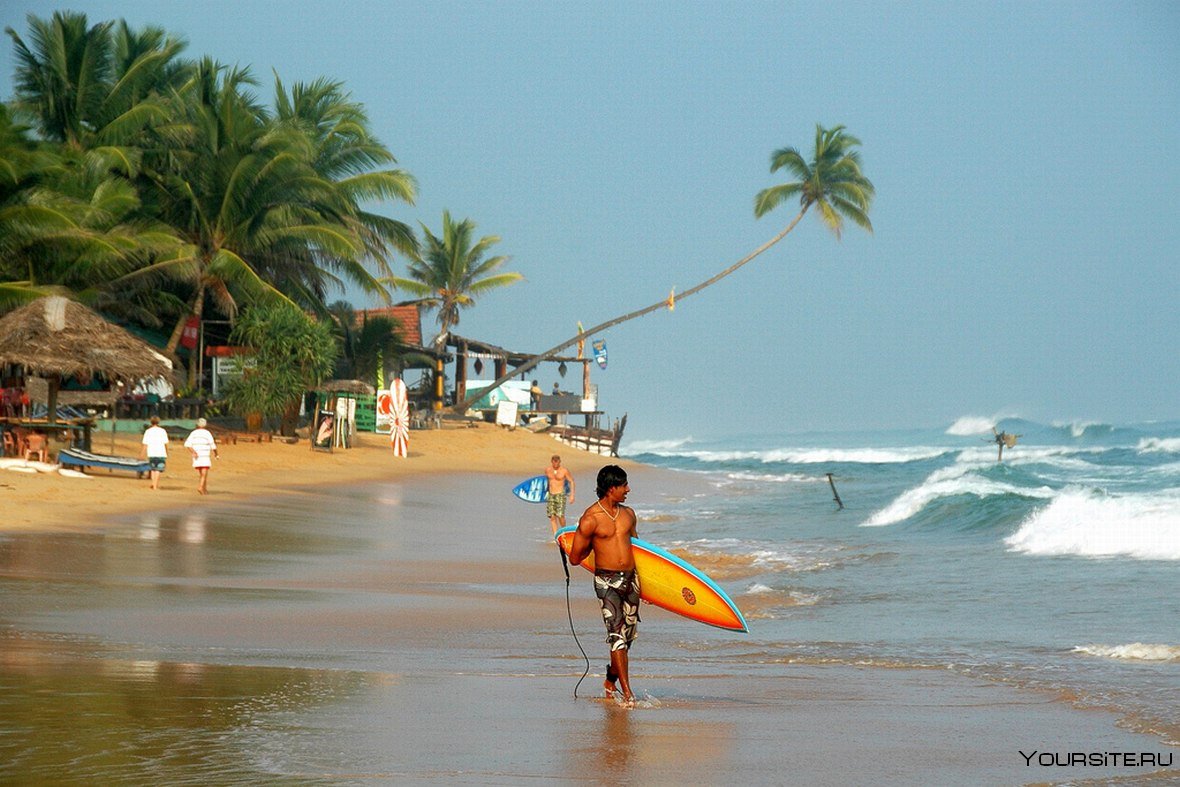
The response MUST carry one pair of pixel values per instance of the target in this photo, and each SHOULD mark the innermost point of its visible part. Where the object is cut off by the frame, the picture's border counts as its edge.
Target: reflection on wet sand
(638, 746)
(74, 712)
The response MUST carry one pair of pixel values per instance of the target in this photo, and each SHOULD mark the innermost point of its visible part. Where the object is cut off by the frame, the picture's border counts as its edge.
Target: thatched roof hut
(348, 386)
(55, 337)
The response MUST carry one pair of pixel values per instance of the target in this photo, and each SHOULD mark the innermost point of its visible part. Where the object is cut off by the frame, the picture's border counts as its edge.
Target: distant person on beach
(535, 395)
(155, 448)
(201, 445)
(555, 506)
(556, 389)
(606, 529)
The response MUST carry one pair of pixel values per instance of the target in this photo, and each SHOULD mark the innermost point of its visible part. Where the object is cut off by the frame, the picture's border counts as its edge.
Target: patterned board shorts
(157, 462)
(555, 507)
(619, 593)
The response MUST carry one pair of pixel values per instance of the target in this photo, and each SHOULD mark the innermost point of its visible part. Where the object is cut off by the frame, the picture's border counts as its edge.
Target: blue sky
(1027, 220)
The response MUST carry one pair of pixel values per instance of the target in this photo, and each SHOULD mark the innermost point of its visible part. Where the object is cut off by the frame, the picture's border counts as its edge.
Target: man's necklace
(612, 518)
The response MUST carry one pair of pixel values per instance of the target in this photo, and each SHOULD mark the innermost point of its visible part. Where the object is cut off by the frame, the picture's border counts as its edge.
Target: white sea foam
(1078, 428)
(659, 447)
(1159, 445)
(806, 456)
(959, 479)
(774, 478)
(1082, 522)
(1136, 651)
(971, 425)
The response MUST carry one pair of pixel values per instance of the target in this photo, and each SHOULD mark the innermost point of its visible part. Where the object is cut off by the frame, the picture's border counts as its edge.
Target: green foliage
(452, 270)
(832, 181)
(292, 353)
(154, 175)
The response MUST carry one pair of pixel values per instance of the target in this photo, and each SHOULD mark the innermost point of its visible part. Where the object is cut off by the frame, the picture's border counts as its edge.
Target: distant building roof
(406, 315)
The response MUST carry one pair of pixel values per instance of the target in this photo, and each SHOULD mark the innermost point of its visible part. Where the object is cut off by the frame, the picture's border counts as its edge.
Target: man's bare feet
(609, 687)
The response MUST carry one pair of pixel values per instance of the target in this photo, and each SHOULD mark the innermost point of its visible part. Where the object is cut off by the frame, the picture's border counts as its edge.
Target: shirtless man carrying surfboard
(606, 530)
(555, 506)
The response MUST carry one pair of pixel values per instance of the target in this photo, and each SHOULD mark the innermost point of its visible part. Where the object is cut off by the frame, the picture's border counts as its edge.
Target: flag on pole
(600, 352)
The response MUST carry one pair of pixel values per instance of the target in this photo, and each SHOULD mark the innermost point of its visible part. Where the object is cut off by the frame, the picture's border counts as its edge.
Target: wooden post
(461, 372)
(437, 404)
(835, 494)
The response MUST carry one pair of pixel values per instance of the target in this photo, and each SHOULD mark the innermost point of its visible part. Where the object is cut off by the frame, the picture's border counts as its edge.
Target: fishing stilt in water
(835, 494)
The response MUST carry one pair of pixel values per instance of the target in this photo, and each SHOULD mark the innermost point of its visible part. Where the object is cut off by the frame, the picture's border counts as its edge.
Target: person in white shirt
(155, 448)
(201, 445)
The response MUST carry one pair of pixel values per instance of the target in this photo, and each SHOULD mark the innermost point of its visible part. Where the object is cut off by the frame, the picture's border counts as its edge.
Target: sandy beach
(350, 618)
(246, 469)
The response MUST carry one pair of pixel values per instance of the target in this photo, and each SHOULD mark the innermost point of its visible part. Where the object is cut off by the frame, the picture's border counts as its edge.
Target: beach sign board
(325, 426)
(384, 419)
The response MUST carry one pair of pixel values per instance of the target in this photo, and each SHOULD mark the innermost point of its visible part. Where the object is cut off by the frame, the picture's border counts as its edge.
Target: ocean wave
(1136, 651)
(774, 478)
(659, 447)
(1159, 445)
(950, 481)
(1089, 524)
(729, 558)
(971, 425)
(807, 456)
(1080, 429)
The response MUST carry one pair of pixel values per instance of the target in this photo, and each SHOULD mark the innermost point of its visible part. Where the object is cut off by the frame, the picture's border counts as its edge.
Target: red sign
(192, 329)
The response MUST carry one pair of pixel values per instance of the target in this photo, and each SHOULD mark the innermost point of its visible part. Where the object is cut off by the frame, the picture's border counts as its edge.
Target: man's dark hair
(610, 476)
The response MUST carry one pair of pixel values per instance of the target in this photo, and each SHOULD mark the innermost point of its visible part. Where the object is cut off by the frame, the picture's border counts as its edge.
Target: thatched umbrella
(54, 338)
(348, 386)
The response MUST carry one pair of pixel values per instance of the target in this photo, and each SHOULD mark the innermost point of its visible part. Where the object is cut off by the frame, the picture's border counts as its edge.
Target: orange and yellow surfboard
(673, 584)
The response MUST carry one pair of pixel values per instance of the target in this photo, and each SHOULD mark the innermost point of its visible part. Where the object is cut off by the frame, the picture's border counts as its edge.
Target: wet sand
(414, 629)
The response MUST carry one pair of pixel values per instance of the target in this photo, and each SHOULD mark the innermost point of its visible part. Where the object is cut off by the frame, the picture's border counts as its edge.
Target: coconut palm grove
(165, 189)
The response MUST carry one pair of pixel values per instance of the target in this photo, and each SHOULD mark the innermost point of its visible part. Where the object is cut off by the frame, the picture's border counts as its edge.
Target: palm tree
(242, 197)
(95, 88)
(75, 223)
(64, 229)
(346, 152)
(452, 271)
(832, 182)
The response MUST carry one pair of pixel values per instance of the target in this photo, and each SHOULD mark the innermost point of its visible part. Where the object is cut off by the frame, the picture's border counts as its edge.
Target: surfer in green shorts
(606, 529)
(555, 506)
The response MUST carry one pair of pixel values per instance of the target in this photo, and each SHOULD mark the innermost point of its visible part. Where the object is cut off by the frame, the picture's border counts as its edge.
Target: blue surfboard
(535, 489)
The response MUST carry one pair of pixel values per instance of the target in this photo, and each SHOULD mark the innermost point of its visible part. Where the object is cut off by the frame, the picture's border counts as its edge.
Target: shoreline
(48, 501)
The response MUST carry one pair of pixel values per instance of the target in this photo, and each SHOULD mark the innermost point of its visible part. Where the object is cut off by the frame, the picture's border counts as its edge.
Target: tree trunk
(195, 310)
(461, 407)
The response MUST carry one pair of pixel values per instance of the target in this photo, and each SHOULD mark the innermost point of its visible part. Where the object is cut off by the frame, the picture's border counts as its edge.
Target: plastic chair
(37, 443)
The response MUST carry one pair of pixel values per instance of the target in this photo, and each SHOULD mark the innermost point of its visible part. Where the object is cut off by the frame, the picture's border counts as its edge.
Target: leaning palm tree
(452, 271)
(831, 181)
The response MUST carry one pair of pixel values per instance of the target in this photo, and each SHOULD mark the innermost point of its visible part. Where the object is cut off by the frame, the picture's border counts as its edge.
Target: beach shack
(69, 357)
(552, 411)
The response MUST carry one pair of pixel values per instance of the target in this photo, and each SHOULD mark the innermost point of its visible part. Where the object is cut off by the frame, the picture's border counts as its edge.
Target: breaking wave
(1090, 524)
(1159, 445)
(948, 482)
(1136, 651)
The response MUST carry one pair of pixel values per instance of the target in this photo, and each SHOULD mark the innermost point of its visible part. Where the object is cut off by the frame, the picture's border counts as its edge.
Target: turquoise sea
(1055, 569)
